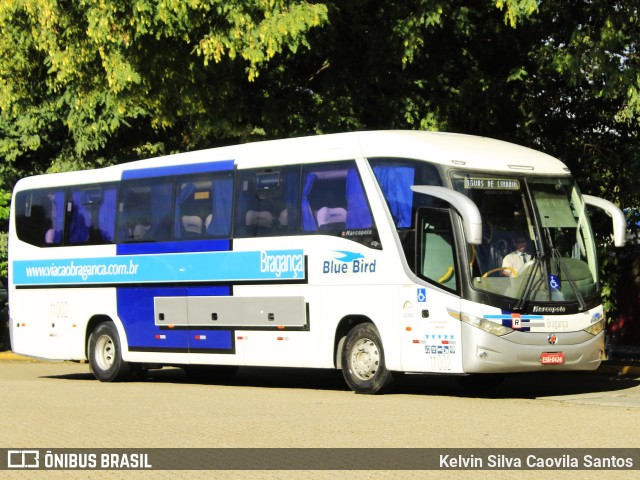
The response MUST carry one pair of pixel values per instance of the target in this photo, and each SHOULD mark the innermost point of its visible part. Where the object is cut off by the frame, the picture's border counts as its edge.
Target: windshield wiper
(567, 276)
(529, 286)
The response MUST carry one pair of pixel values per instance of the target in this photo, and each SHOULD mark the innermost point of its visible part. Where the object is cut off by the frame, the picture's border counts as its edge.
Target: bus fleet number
(58, 310)
(441, 363)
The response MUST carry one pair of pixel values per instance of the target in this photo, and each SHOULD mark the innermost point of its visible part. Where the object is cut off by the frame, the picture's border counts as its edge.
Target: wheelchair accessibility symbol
(554, 283)
(422, 295)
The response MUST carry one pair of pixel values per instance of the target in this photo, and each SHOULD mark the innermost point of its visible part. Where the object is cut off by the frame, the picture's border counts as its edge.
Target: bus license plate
(552, 358)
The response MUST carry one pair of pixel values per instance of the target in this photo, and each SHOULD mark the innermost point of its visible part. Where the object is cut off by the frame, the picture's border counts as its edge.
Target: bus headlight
(486, 325)
(596, 328)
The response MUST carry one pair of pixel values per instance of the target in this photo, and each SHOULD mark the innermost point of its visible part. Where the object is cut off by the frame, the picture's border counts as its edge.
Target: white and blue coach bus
(370, 252)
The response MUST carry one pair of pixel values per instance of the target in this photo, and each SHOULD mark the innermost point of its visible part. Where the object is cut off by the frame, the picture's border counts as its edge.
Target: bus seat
(331, 218)
(260, 219)
(139, 231)
(283, 218)
(49, 236)
(192, 224)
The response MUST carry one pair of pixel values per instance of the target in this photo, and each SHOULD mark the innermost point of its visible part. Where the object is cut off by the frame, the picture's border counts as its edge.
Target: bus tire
(363, 365)
(105, 357)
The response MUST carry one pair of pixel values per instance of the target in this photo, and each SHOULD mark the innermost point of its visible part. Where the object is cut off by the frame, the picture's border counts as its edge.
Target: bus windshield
(537, 240)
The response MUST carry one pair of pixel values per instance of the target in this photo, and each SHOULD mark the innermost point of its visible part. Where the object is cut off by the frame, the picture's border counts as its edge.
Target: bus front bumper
(530, 351)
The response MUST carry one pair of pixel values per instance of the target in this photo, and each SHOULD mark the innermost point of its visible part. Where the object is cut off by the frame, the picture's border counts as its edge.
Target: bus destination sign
(484, 183)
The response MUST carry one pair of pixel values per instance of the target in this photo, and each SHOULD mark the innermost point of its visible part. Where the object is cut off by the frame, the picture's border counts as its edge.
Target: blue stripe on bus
(180, 169)
(136, 311)
(173, 247)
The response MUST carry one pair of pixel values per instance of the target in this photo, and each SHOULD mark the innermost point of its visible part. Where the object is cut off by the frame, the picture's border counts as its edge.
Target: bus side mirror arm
(471, 219)
(617, 217)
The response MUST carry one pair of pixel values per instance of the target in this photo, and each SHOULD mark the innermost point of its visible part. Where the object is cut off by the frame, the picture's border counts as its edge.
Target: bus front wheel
(363, 365)
(105, 358)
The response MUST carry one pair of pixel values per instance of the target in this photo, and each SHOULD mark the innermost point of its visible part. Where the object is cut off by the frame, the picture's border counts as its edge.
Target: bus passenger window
(92, 211)
(203, 207)
(40, 217)
(193, 205)
(266, 202)
(334, 203)
(144, 211)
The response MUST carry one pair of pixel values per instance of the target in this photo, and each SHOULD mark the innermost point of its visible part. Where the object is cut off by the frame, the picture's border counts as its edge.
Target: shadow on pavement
(526, 386)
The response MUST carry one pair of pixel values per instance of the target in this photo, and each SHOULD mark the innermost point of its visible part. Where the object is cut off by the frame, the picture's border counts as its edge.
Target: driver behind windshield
(513, 262)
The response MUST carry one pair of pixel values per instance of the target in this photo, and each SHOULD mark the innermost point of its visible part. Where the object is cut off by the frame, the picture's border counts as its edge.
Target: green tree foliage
(93, 81)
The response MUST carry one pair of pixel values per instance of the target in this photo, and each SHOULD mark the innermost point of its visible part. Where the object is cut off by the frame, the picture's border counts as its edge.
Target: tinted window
(40, 216)
(92, 212)
(267, 202)
(203, 206)
(145, 210)
(333, 199)
(395, 177)
(333, 202)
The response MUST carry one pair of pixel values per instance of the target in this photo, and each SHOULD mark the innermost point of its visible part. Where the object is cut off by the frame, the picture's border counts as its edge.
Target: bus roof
(449, 149)
(468, 151)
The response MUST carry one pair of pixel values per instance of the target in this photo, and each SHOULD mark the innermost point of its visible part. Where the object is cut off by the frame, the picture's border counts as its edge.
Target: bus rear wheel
(105, 358)
(363, 365)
